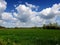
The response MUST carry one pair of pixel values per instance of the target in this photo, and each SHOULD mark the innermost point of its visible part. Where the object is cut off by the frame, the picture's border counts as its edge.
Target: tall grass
(30, 36)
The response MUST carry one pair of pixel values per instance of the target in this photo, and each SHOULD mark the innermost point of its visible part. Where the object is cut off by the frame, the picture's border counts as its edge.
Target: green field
(29, 37)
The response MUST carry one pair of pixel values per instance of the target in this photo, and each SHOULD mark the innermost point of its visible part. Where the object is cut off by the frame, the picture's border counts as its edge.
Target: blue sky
(29, 13)
(42, 3)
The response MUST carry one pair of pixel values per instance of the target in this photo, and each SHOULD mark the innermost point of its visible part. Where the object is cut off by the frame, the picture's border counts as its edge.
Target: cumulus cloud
(8, 17)
(32, 6)
(50, 12)
(2, 8)
(27, 17)
(47, 13)
(2, 5)
(25, 13)
(8, 20)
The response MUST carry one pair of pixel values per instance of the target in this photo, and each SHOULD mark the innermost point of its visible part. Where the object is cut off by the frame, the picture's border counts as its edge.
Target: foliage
(51, 26)
(29, 36)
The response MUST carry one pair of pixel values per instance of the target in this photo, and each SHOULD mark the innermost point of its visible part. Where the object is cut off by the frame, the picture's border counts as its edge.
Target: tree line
(49, 26)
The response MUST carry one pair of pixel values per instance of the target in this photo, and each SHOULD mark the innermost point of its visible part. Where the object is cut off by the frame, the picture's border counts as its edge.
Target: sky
(29, 13)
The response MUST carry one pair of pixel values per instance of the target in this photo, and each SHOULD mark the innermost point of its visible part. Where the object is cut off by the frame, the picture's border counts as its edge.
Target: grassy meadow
(33, 36)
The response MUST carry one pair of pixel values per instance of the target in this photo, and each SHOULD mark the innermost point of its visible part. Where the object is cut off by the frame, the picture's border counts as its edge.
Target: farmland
(29, 36)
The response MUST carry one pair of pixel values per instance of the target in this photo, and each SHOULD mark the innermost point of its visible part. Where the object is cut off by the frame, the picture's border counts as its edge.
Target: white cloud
(47, 13)
(27, 17)
(50, 12)
(56, 9)
(15, 14)
(2, 5)
(2, 8)
(32, 6)
(8, 17)
(24, 13)
(8, 24)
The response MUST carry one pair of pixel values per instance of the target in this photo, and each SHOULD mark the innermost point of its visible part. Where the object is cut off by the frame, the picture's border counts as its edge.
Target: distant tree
(51, 26)
(1, 27)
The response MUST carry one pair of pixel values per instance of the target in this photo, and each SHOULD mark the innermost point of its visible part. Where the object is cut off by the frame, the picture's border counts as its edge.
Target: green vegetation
(29, 36)
(51, 26)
